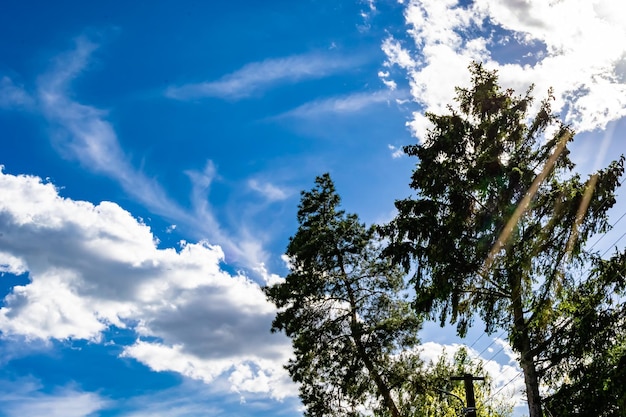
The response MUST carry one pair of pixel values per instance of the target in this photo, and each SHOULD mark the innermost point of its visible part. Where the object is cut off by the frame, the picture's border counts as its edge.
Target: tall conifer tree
(342, 304)
(499, 218)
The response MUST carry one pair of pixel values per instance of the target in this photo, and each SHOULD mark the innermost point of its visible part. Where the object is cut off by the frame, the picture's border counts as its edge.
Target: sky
(153, 154)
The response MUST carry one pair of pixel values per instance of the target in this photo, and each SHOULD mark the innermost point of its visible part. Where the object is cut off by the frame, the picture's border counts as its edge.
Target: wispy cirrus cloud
(242, 247)
(268, 190)
(14, 96)
(257, 77)
(82, 132)
(346, 104)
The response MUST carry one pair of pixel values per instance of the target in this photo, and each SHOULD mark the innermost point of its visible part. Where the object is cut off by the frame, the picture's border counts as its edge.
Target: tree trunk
(532, 383)
(521, 343)
(383, 389)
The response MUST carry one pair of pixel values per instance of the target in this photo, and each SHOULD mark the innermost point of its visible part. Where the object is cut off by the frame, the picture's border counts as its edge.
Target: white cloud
(395, 151)
(391, 84)
(244, 249)
(576, 46)
(270, 191)
(195, 399)
(256, 77)
(501, 374)
(384, 77)
(344, 104)
(93, 266)
(246, 373)
(83, 133)
(367, 15)
(269, 278)
(396, 55)
(24, 398)
(13, 96)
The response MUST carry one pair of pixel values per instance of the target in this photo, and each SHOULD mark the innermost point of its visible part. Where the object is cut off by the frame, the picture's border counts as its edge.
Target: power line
(503, 387)
(605, 233)
(475, 341)
(494, 341)
(577, 283)
(614, 243)
(587, 273)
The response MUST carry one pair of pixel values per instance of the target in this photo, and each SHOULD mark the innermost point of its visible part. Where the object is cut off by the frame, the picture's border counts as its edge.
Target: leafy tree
(499, 219)
(352, 331)
(446, 398)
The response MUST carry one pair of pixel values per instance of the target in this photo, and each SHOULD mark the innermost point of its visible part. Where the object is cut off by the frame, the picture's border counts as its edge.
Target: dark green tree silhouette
(342, 304)
(499, 218)
(585, 366)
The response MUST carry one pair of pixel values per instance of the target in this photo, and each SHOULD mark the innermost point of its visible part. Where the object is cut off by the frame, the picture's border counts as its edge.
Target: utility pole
(470, 410)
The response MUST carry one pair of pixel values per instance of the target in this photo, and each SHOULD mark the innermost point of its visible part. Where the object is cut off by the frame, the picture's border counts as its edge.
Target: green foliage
(439, 403)
(497, 230)
(586, 363)
(500, 218)
(343, 307)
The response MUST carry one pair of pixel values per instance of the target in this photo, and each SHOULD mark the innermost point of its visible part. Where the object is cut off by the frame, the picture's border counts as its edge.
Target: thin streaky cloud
(352, 103)
(25, 398)
(83, 133)
(13, 96)
(270, 191)
(258, 76)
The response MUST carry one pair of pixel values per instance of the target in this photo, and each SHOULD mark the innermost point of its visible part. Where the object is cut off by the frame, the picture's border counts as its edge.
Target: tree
(446, 398)
(354, 334)
(352, 331)
(586, 364)
(499, 220)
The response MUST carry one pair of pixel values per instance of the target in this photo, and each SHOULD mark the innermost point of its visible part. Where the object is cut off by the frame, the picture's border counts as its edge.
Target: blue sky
(153, 156)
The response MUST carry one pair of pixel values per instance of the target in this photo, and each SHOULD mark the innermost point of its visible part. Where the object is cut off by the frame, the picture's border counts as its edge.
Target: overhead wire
(479, 357)
(499, 243)
(590, 248)
(605, 233)
(492, 396)
(502, 348)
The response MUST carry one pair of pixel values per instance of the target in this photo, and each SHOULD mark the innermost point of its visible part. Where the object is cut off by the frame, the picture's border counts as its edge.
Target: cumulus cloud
(245, 375)
(578, 47)
(506, 379)
(91, 267)
(256, 77)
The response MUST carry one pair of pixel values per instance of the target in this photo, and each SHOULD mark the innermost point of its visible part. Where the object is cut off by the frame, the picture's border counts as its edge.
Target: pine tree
(342, 304)
(499, 219)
